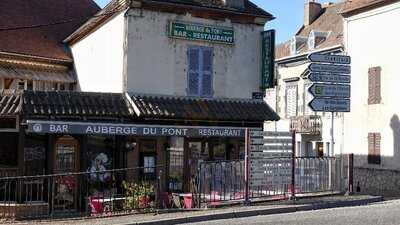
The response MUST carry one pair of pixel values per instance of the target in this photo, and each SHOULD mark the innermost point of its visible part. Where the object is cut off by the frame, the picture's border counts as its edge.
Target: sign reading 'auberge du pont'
(201, 32)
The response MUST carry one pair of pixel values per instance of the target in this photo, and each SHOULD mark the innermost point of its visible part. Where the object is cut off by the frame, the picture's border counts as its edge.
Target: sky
(288, 14)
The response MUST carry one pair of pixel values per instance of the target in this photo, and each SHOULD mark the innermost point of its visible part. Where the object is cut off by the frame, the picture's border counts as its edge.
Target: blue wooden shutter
(194, 72)
(207, 72)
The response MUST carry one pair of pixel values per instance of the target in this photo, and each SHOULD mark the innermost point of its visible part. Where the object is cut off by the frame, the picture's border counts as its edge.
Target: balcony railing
(306, 124)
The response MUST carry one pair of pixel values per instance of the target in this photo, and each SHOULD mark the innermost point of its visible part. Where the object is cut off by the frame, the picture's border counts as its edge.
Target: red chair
(188, 201)
(96, 205)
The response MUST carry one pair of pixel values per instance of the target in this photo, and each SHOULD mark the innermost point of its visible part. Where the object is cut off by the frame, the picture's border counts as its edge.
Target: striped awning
(49, 74)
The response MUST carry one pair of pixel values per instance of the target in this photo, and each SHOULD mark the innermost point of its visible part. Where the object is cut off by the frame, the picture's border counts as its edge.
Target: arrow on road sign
(331, 78)
(328, 68)
(330, 90)
(330, 105)
(339, 59)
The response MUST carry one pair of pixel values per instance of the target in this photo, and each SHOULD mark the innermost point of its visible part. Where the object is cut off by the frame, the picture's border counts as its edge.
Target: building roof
(329, 21)
(38, 27)
(110, 106)
(20, 69)
(117, 6)
(353, 7)
(68, 104)
(184, 108)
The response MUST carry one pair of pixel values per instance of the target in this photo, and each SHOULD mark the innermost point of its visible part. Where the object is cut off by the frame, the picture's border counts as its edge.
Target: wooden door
(66, 161)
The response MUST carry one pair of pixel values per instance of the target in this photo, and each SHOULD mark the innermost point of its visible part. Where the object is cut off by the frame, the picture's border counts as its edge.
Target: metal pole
(293, 165)
(332, 136)
(332, 150)
(246, 163)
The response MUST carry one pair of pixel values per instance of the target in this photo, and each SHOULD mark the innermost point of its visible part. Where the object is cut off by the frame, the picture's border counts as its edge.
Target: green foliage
(138, 195)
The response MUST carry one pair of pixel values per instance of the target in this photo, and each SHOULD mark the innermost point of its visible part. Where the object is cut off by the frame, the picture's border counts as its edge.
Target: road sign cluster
(331, 77)
(269, 157)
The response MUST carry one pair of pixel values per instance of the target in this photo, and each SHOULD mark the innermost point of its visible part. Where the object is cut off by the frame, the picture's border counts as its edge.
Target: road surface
(384, 213)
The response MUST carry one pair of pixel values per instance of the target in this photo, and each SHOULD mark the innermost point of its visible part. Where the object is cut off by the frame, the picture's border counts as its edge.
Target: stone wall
(377, 181)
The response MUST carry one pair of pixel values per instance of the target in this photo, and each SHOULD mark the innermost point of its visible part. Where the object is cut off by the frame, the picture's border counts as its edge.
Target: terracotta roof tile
(44, 41)
(329, 21)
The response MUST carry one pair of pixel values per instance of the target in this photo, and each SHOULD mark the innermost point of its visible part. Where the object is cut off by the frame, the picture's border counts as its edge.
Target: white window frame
(291, 84)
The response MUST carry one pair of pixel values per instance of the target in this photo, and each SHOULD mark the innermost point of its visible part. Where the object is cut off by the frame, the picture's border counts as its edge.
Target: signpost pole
(247, 166)
(332, 150)
(293, 184)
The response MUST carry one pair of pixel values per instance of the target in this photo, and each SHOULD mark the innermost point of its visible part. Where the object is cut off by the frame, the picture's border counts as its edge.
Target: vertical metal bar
(247, 166)
(351, 174)
(293, 165)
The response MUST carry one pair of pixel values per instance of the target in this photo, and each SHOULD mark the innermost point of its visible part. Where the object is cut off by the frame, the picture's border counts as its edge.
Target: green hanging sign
(268, 59)
(198, 32)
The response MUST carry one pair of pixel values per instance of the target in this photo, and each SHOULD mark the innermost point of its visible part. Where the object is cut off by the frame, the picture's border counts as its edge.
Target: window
(291, 99)
(374, 85)
(21, 85)
(1, 84)
(200, 74)
(374, 148)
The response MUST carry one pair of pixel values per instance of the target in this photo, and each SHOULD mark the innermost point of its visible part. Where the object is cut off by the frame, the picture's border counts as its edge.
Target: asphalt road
(384, 213)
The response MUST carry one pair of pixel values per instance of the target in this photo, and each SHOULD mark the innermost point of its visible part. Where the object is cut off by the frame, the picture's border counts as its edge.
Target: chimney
(312, 10)
(236, 4)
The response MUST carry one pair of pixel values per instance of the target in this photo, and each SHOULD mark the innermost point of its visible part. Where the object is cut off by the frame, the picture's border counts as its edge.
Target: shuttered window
(291, 99)
(374, 85)
(200, 74)
(374, 148)
(307, 97)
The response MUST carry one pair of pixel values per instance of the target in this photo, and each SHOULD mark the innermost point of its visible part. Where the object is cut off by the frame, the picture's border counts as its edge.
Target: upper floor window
(291, 99)
(374, 85)
(374, 148)
(200, 73)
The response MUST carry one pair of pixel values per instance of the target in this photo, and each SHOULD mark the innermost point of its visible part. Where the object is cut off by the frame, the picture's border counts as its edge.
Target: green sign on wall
(199, 32)
(268, 59)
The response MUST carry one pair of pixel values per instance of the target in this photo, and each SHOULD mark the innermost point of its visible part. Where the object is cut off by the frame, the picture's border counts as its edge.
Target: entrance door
(65, 186)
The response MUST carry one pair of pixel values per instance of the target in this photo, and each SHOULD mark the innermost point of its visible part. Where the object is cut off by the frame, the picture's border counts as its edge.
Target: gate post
(350, 174)
(247, 166)
(293, 183)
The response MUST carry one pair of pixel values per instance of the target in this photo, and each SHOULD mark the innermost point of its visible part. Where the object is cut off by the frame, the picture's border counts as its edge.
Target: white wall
(372, 39)
(295, 70)
(99, 58)
(157, 64)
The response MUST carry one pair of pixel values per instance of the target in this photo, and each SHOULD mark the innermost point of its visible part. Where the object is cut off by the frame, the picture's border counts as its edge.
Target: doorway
(66, 160)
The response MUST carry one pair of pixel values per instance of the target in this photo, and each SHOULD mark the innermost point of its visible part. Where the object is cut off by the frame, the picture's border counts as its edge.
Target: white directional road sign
(337, 59)
(330, 90)
(329, 68)
(330, 78)
(330, 105)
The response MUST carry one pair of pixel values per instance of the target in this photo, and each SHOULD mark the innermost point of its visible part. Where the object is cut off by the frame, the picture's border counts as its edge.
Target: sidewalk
(223, 213)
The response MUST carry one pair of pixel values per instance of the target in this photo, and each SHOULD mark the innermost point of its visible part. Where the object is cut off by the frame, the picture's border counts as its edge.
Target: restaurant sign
(200, 32)
(52, 127)
(268, 59)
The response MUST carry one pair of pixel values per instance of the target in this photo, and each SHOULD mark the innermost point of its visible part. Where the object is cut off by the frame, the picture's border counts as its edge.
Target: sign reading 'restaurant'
(200, 32)
(50, 127)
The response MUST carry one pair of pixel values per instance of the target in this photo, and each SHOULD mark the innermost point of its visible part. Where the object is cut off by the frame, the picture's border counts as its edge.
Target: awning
(61, 75)
(92, 128)
(186, 108)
